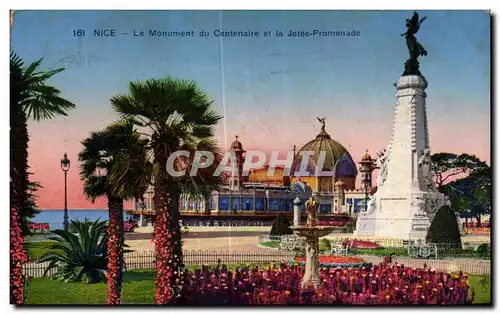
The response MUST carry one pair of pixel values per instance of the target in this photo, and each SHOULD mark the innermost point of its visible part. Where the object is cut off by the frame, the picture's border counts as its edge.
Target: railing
(146, 260)
(225, 223)
(398, 243)
(472, 267)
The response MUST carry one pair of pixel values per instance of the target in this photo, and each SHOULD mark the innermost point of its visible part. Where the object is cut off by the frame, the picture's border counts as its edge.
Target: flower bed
(38, 227)
(129, 226)
(332, 223)
(360, 244)
(380, 284)
(332, 261)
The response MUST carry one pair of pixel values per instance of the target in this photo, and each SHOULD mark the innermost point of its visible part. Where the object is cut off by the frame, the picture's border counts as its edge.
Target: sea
(54, 217)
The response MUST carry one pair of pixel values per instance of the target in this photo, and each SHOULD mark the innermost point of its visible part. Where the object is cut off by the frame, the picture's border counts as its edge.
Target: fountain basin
(312, 232)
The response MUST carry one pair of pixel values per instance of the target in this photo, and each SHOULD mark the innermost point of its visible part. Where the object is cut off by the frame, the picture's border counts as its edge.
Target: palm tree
(30, 97)
(175, 115)
(97, 157)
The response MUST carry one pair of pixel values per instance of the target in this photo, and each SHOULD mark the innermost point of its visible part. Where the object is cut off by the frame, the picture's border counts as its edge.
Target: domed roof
(236, 145)
(339, 183)
(366, 157)
(336, 155)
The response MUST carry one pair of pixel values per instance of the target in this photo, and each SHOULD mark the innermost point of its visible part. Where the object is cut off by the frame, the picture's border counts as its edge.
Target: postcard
(245, 158)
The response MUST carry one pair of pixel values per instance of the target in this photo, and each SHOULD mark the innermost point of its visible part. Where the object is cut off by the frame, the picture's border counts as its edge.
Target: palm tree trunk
(167, 237)
(115, 251)
(18, 193)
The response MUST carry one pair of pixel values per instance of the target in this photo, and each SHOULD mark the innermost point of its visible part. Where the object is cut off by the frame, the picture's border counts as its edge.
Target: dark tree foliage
(444, 228)
(281, 226)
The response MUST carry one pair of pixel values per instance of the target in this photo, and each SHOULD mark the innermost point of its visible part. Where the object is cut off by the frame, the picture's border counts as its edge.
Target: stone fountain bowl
(312, 232)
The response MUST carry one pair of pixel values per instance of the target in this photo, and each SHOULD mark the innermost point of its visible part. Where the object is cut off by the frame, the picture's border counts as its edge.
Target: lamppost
(367, 165)
(65, 164)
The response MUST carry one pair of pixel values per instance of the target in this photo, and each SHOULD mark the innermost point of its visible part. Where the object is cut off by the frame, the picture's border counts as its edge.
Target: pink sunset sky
(269, 90)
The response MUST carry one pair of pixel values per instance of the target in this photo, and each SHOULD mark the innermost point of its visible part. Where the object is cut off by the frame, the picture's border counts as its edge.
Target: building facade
(262, 193)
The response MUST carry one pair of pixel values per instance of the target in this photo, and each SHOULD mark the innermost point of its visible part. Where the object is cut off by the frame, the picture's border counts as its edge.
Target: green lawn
(37, 249)
(138, 288)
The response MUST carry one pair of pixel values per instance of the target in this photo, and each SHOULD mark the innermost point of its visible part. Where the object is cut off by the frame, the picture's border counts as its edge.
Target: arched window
(345, 167)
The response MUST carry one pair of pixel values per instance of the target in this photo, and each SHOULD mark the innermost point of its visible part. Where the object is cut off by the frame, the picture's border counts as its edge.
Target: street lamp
(65, 164)
(367, 165)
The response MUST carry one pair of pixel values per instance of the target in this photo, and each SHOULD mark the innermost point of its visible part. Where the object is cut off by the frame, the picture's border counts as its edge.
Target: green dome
(336, 155)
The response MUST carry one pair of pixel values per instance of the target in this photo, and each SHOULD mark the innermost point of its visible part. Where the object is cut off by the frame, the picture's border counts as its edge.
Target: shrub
(350, 227)
(325, 245)
(484, 250)
(444, 228)
(281, 226)
(80, 257)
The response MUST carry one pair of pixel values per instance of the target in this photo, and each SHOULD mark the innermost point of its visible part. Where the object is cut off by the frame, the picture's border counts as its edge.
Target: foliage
(484, 250)
(466, 180)
(30, 97)
(471, 196)
(30, 208)
(139, 289)
(350, 227)
(37, 249)
(325, 245)
(444, 228)
(73, 228)
(176, 115)
(447, 166)
(281, 226)
(80, 257)
(98, 157)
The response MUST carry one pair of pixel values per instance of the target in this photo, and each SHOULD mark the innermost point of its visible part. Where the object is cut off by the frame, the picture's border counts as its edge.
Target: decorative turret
(338, 197)
(366, 167)
(236, 181)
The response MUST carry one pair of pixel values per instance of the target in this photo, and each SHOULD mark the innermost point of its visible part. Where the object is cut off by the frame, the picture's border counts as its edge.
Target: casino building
(262, 196)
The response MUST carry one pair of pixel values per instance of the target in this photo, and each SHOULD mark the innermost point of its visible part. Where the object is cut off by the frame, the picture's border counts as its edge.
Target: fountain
(311, 233)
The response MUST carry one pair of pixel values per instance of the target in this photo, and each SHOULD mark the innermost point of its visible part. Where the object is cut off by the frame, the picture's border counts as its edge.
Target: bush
(350, 227)
(325, 245)
(281, 226)
(80, 257)
(444, 228)
(484, 250)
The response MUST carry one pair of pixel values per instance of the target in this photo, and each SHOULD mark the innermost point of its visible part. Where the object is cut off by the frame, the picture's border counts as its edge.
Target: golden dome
(336, 156)
(366, 156)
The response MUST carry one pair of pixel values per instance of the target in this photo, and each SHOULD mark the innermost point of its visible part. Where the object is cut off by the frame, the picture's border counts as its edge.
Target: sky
(268, 89)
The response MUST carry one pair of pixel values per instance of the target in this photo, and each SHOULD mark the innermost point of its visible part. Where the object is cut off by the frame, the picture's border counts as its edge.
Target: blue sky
(289, 72)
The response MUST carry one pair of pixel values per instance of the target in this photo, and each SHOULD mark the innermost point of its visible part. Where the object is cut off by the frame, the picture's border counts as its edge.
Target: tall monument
(406, 199)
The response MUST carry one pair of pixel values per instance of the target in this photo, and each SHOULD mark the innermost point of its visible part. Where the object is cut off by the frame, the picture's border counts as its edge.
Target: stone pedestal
(406, 200)
(311, 237)
(297, 204)
(311, 275)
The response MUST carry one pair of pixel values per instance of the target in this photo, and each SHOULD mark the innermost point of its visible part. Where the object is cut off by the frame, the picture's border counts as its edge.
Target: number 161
(79, 33)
